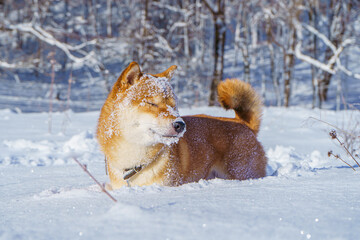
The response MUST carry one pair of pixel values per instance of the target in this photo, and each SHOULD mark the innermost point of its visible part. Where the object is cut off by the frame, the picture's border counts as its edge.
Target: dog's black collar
(129, 172)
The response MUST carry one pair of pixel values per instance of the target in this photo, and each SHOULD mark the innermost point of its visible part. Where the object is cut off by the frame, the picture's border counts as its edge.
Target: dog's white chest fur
(128, 155)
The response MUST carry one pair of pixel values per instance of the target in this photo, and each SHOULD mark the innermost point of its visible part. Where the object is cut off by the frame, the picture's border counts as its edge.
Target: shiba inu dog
(146, 141)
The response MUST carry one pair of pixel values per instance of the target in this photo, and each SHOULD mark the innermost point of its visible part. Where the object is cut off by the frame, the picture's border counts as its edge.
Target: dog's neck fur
(151, 173)
(129, 155)
(153, 158)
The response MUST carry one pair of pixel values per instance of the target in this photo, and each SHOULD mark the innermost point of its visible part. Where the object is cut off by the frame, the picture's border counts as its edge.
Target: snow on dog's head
(146, 111)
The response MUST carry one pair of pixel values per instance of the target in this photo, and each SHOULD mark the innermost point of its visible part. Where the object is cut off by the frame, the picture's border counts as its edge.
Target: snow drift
(306, 195)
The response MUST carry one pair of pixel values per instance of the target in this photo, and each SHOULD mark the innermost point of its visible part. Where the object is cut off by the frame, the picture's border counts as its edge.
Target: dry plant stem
(338, 157)
(329, 124)
(52, 61)
(69, 91)
(66, 117)
(353, 106)
(93, 178)
(347, 150)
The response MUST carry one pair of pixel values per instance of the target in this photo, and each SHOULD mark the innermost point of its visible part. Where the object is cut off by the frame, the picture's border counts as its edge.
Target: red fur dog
(146, 141)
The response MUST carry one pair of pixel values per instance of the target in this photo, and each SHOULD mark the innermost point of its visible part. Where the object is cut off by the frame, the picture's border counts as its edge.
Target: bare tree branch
(211, 9)
(329, 67)
(312, 61)
(51, 40)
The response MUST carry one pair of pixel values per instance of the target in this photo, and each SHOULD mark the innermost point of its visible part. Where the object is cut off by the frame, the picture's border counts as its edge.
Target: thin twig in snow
(330, 153)
(333, 126)
(334, 136)
(52, 61)
(84, 167)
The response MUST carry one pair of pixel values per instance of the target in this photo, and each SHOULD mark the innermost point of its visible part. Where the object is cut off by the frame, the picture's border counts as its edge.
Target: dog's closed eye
(152, 104)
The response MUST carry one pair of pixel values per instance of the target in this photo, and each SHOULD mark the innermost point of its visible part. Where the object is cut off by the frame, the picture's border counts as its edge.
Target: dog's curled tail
(240, 96)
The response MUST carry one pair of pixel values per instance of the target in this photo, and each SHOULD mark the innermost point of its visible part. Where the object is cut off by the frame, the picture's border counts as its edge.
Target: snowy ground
(306, 195)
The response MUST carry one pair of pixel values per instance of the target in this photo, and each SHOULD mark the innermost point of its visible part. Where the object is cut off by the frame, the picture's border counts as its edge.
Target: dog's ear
(131, 74)
(167, 73)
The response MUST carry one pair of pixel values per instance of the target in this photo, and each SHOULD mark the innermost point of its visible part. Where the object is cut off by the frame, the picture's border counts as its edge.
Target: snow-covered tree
(93, 40)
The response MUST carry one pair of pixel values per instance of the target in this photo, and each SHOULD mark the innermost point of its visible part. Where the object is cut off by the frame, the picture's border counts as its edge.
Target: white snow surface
(306, 195)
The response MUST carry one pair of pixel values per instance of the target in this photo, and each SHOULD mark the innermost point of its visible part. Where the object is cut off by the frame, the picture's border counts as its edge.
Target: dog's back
(223, 147)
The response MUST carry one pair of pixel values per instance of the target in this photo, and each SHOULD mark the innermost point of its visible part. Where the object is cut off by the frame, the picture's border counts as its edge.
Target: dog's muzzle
(179, 126)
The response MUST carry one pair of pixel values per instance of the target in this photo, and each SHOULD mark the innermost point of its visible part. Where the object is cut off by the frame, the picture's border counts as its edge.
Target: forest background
(294, 52)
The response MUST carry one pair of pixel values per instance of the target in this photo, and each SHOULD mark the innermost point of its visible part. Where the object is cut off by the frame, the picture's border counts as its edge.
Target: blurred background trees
(293, 51)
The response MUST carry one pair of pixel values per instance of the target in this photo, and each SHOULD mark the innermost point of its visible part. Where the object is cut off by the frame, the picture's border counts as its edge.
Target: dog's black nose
(179, 126)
